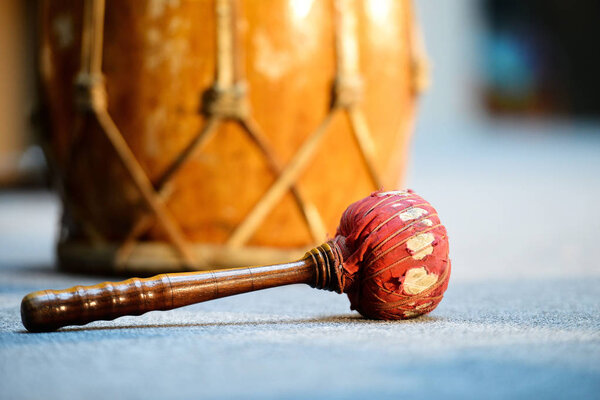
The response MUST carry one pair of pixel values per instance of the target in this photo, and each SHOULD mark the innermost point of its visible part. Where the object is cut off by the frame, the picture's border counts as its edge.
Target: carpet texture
(520, 319)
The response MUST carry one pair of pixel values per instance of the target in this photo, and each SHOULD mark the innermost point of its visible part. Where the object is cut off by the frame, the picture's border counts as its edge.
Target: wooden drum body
(194, 134)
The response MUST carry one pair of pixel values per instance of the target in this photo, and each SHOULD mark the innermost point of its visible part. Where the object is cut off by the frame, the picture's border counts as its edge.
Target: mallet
(390, 255)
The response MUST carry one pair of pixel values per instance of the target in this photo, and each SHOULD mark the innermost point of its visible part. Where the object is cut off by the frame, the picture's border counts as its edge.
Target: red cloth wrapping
(395, 249)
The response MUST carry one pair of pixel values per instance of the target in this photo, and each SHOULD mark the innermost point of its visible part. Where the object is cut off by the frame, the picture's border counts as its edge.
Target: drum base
(149, 258)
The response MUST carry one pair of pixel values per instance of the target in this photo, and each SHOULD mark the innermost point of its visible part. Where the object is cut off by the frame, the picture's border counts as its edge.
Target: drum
(198, 134)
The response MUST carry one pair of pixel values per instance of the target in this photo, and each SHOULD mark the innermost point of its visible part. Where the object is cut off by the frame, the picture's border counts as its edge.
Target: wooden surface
(159, 63)
(48, 310)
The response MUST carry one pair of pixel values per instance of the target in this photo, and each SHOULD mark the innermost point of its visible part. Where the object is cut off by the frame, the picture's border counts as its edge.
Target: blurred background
(508, 135)
(528, 66)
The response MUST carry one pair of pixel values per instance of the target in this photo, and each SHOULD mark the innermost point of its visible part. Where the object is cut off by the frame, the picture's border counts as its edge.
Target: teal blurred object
(540, 57)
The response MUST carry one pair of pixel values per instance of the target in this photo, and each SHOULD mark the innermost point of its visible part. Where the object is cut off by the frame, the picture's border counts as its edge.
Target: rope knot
(90, 92)
(226, 103)
(347, 91)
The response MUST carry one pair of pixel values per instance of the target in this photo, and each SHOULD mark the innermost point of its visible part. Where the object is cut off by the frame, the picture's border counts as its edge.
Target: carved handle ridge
(51, 309)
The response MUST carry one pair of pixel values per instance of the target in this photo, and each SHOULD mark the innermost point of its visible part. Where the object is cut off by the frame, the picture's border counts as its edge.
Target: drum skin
(159, 58)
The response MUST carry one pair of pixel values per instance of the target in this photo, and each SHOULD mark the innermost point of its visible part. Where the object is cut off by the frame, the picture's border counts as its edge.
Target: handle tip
(34, 312)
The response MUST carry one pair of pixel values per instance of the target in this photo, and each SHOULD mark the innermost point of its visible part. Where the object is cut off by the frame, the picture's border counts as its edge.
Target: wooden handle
(48, 310)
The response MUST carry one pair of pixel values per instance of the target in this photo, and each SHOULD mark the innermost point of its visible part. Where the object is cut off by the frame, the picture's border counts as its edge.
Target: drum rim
(151, 257)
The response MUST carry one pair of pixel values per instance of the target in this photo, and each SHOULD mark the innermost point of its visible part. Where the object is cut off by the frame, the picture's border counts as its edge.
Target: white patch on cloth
(426, 222)
(424, 305)
(411, 214)
(411, 314)
(417, 280)
(393, 193)
(420, 246)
